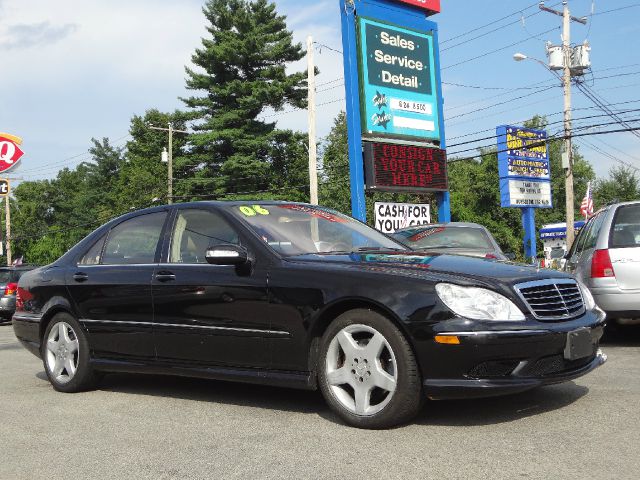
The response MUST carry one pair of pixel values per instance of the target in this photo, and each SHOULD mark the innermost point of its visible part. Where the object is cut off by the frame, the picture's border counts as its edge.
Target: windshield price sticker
(252, 211)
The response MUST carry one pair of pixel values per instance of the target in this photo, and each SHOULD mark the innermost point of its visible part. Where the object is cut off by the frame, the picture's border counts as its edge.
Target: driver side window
(195, 231)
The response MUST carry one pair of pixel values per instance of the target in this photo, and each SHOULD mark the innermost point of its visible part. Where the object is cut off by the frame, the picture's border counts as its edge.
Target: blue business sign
(399, 94)
(523, 165)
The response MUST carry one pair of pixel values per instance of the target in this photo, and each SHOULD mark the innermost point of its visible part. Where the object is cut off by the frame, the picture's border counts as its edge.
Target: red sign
(431, 5)
(10, 152)
(405, 168)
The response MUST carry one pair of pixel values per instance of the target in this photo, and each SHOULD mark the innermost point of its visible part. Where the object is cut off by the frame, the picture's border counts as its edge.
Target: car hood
(433, 264)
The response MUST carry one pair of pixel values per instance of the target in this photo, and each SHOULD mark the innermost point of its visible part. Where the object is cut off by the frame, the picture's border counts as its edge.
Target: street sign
(394, 216)
(432, 6)
(10, 151)
(523, 166)
(405, 168)
(4, 187)
(397, 74)
(526, 193)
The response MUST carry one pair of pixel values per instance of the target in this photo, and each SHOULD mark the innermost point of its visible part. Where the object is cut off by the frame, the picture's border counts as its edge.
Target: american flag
(586, 208)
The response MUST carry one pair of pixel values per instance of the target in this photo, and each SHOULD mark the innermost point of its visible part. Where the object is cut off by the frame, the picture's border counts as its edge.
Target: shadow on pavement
(216, 391)
(494, 410)
(485, 411)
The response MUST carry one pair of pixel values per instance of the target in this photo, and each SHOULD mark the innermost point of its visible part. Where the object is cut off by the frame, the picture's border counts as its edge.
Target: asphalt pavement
(153, 427)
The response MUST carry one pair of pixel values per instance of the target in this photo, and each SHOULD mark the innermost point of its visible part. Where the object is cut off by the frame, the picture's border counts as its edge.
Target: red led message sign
(405, 168)
(430, 5)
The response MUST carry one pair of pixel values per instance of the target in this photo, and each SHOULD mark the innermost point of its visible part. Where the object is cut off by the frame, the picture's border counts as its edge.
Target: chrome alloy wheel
(62, 352)
(361, 369)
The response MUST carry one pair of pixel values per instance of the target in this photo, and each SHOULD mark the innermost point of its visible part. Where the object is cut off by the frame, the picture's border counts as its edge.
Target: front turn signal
(448, 339)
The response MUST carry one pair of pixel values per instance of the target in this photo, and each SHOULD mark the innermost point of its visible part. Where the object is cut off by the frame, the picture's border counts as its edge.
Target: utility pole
(566, 84)
(313, 153)
(170, 158)
(8, 229)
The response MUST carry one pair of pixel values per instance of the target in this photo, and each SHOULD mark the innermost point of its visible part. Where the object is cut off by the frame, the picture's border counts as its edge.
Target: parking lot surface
(153, 427)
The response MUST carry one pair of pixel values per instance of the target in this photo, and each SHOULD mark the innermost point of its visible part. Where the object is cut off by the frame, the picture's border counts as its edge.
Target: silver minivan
(606, 257)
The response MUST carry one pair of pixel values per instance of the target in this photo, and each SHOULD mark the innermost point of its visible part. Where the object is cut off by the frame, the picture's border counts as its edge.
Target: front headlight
(478, 303)
(589, 302)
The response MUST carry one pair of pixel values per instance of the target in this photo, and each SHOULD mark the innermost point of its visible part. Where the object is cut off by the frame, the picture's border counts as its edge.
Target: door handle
(165, 276)
(80, 277)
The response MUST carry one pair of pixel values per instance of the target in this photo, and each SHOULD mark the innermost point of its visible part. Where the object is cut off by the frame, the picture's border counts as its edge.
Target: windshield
(5, 276)
(293, 229)
(446, 237)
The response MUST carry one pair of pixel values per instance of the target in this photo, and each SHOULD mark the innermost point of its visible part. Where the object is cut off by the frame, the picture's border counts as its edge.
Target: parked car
(9, 277)
(456, 238)
(606, 257)
(302, 296)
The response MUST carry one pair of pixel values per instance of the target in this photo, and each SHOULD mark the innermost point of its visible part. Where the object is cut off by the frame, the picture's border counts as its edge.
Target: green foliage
(240, 71)
(623, 185)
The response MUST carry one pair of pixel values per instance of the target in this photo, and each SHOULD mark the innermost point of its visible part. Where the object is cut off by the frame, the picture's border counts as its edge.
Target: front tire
(367, 371)
(65, 354)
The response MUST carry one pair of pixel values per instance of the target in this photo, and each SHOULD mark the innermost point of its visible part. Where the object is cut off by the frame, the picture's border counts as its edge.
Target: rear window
(5, 276)
(443, 237)
(626, 227)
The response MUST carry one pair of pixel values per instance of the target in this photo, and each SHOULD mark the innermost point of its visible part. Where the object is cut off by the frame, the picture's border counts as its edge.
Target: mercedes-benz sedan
(301, 296)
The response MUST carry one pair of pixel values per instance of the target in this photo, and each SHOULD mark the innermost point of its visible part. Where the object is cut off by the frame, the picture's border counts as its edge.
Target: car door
(209, 314)
(111, 288)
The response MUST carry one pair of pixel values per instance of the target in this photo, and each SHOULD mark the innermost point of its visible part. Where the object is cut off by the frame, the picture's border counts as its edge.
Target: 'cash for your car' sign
(399, 94)
(523, 165)
(394, 216)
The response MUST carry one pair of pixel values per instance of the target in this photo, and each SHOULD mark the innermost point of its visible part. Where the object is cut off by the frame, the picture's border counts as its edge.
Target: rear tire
(65, 355)
(367, 371)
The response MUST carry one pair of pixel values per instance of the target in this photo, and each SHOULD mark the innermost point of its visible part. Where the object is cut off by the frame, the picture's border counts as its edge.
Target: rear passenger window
(92, 257)
(592, 235)
(625, 231)
(134, 240)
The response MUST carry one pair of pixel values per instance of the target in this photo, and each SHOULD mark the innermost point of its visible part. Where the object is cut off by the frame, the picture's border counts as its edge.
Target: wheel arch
(337, 308)
(60, 306)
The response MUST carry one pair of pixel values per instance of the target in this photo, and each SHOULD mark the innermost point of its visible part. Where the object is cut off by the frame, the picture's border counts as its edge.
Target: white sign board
(394, 216)
(526, 193)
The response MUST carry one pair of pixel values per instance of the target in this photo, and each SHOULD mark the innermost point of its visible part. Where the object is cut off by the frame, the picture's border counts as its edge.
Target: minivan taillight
(601, 266)
(11, 288)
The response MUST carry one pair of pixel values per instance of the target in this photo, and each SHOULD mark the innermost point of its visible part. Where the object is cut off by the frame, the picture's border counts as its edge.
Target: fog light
(448, 339)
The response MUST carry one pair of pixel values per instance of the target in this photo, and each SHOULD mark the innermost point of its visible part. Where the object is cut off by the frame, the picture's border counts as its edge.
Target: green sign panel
(398, 82)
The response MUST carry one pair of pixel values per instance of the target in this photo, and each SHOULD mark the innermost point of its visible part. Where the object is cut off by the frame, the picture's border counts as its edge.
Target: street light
(518, 57)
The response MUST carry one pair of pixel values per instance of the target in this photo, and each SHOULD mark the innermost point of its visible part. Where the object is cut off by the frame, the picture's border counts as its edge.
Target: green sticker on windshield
(260, 210)
(253, 211)
(248, 211)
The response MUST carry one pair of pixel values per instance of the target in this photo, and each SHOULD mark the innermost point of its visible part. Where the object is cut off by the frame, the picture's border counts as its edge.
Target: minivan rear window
(626, 227)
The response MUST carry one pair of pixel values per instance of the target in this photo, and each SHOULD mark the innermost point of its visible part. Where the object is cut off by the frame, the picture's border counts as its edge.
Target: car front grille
(552, 300)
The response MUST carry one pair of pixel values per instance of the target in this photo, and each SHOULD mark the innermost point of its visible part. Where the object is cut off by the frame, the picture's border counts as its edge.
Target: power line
(496, 50)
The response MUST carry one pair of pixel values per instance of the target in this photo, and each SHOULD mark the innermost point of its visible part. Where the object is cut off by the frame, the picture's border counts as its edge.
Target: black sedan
(302, 296)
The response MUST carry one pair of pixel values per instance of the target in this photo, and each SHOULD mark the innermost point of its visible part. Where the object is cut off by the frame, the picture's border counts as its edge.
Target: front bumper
(491, 362)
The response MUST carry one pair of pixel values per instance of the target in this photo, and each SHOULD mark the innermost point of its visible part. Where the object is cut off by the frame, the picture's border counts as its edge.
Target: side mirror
(227, 254)
(510, 256)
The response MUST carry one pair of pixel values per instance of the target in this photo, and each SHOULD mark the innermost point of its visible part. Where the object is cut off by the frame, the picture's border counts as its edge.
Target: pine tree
(240, 71)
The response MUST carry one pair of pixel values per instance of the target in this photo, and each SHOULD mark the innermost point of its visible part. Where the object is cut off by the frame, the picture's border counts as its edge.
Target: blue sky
(77, 69)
